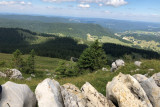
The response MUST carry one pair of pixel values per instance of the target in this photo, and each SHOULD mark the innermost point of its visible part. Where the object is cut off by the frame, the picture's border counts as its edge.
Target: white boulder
(125, 91)
(29, 79)
(94, 98)
(152, 91)
(2, 74)
(138, 63)
(33, 75)
(14, 74)
(72, 96)
(48, 94)
(118, 63)
(104, 69)
(156, 78)
(17, 95)
(140, 78)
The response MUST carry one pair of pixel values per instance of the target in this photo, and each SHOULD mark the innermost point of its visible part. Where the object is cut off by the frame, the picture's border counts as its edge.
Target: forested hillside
(119, 50)
(65, 29)
(57, 47)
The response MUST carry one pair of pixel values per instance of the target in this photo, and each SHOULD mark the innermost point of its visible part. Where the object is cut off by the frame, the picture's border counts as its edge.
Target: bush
(66, 69)
(27, 66)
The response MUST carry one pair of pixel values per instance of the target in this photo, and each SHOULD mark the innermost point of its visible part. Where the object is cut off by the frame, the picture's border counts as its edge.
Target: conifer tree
(92, 58)
(31, 62)
(17, 60)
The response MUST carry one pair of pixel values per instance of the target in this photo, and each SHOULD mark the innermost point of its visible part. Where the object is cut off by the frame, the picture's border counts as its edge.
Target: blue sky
(141, 10)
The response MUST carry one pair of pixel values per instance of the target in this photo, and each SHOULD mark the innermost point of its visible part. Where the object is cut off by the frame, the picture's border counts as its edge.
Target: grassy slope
(98, 79)
(106, 39)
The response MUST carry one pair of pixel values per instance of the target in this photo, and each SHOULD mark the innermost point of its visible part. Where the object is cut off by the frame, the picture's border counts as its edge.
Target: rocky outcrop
(48, 93)
(150, 87)
(156, 78)
(118, 63)
(125, 91)
(122, 91)
(152, 91)
(72, 96)
(2, 74)
(94, 98)
(140, 78)
(17, 95)
(29, 79)
(138, 63)
(14, 74)
(104, 69)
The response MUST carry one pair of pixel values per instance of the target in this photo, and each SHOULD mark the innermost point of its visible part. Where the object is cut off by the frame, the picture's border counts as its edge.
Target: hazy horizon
(143, 10)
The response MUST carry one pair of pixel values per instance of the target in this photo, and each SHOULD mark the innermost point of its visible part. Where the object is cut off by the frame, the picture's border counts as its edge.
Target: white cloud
(84, 5)
(14, 3)
(58, 0)
(100, 4)
(106, 2)
(114, 3)
(107, 12)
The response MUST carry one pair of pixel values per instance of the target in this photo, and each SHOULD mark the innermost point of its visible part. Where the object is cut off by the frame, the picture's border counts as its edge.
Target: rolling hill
(65, 29)
(58, 47)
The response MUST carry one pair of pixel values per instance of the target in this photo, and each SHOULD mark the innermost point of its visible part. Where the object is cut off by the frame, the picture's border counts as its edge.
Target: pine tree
(92, 58)
(31, 62)
(17, 60)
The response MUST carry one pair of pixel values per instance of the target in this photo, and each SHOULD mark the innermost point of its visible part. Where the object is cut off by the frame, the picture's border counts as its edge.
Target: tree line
(12, 39)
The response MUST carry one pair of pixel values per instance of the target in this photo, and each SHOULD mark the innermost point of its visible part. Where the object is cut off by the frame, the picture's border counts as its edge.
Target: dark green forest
(59, 47)
(118, 51)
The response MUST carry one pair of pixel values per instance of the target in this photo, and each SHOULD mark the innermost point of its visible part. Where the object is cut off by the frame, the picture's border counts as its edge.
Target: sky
(138, 10)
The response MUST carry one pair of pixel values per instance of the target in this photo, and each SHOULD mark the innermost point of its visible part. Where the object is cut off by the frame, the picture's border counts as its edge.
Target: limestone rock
(14, 74)
(2, 74)
(33, 75)
(104, 69)
(156, 78)
(140, 78)
(94, 98)
(125, 91)
(114, 67)
(29, 79)
(48, 93)
(118, 63)
(152, 91)
(72, 96)
(17, 95)
(150, 69)
(138, 63)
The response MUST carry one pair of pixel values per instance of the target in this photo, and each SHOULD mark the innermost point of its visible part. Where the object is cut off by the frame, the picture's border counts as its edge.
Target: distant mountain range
(112, 24)
(53, 25)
